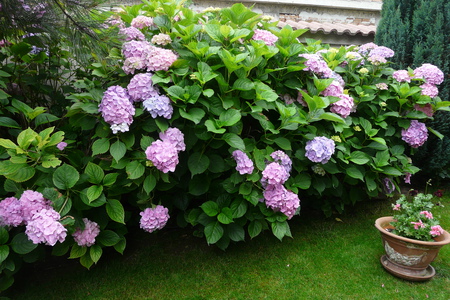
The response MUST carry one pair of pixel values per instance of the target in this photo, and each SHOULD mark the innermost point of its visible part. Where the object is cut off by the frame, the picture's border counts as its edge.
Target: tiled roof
(328, 28)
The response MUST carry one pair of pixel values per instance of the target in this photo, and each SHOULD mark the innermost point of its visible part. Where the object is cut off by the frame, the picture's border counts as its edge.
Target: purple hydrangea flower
(416, 134)
(344, 106)
(131, 64)
(338, 78)
(136, 49)
(335, 89)
(142, 22)
(45, 228)
(32, 202)
(401, 76)
(86, 237)
(141, 87)
(244, 163)
(175, 137)
(430, 73)
(366, 48)
(163, 155)
(316, 64)
(382, 51)
(377, 60)
(426, 109)
(274, 173)
(160, 59)
(320, 149)
(408, 177)
(116, 107)
(389, 185)
(132, 33)
(61, 146)
(266, 36)
(159, 105)
(429, 89)
(10, 212)
(283, 159)
(154, 218)
(278, 198)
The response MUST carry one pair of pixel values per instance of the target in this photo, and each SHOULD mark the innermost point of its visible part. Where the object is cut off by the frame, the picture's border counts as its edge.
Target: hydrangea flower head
(266, 36)
(430, 73)
(426, 109)
(131, 64)
(320, 149)
(174, 136)
(132, 34)
(154, 218)
(32, 202)
(382, 86)
(116, 107)
(163, 155)
(45, 228)
(86, 237)
(10, 212)
(429, 89)
(244, 163)
(278, 198)
(344, 106)
(161, 39)
(141, 87)
(416, 134)
(61, 145)
(401, 76)
(159, 106)
(160, 59)
(142, 22)
(136, 49)
(382, 51)
(283, 159)
(366, 48)
(274, 173)
(335, 89)
(315, 63)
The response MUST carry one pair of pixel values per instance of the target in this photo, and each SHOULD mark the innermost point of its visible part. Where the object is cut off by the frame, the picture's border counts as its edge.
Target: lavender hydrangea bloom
(32, 202)
(10, 212)
(163, 155)
(382, 51)
(278, 198)
(142, 22)
(159, 105)
(338, 78)
(430, 73)
(86, 237)
(131, 64)
(136, 49)
(160, 59)
(389, 186)
(132, 33)
(344, 106)
(416, 134)
(429, 89)
(320, 149)
(283, 159)
(377, 60)
(61, 146)
(335, 89)
(366, 48)
(116, 107)
(244, 163)
(175, 137)
(266, 36)
(154, 218)
(401, 76)
(45, 228)
(274, 173)
(141, 87)
(316, 64)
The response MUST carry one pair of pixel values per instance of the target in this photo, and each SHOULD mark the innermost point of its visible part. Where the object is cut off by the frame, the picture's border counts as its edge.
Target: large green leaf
(95, 252)
(198, 163)
(236, 232)
(115, 210)
(135, 169)
(254, 228)
(225, 216)
(229, 117)
(8, 122)
(93, 192)
(65, 177)
(108, 238)
(21, 244)
(234, 141)
(280, 229)
(118, 150)
(95, 173)
(194, 114)
(100, 146)
(210, 208)
(213, 232)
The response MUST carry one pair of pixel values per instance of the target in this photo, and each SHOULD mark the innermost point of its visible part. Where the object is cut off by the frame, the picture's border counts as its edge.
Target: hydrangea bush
(220, 120)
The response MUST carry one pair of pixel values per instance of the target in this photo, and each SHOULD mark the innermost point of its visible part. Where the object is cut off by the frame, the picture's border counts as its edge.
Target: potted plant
(412, 238)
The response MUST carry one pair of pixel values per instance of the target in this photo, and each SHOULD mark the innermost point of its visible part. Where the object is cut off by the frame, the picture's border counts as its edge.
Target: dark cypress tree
(419, 32)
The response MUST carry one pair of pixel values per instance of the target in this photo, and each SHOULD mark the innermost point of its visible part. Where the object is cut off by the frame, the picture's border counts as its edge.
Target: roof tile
(328, 28)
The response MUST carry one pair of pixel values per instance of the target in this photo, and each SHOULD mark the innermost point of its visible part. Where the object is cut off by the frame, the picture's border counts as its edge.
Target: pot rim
(444, 238)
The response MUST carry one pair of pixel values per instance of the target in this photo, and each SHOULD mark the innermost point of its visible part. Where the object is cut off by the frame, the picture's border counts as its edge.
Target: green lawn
(335, 258)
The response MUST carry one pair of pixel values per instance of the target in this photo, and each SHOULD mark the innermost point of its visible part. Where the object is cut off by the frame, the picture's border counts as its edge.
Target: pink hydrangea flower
(142, 22)
(430, 73)
(141, 87)
(61, 146)
(278, 198)
(344, 106)
(396, 206)
(427, 214)
(335, 89)
(32, 202)
(244, 163)
(116, 107)
(161, 39)
(408, 177)
(418, 225)
(315, 63)
(416, 134)
(426, 108)
(174, 136)
(136, 49)
(283, 159)
(131, 34)
(10, 212)
(159, 106)
(429, 89)
(320, 149)
(401, 76)
(44, 227)
(365, 48)
(131, 64)
(274, 173)
(266, 36)
(154, 218)
(86, 237)
(163, 155)
(160, 59)
(436, 230)
(382, 51)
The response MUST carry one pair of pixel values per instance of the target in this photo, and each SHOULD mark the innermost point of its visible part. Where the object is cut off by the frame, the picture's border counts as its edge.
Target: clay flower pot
(408, 258)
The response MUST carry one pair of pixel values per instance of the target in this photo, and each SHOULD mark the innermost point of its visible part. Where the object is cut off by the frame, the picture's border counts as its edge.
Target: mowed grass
(327, 258)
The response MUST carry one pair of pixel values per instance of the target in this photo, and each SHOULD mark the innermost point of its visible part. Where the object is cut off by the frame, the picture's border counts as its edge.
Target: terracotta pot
(408, 258)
